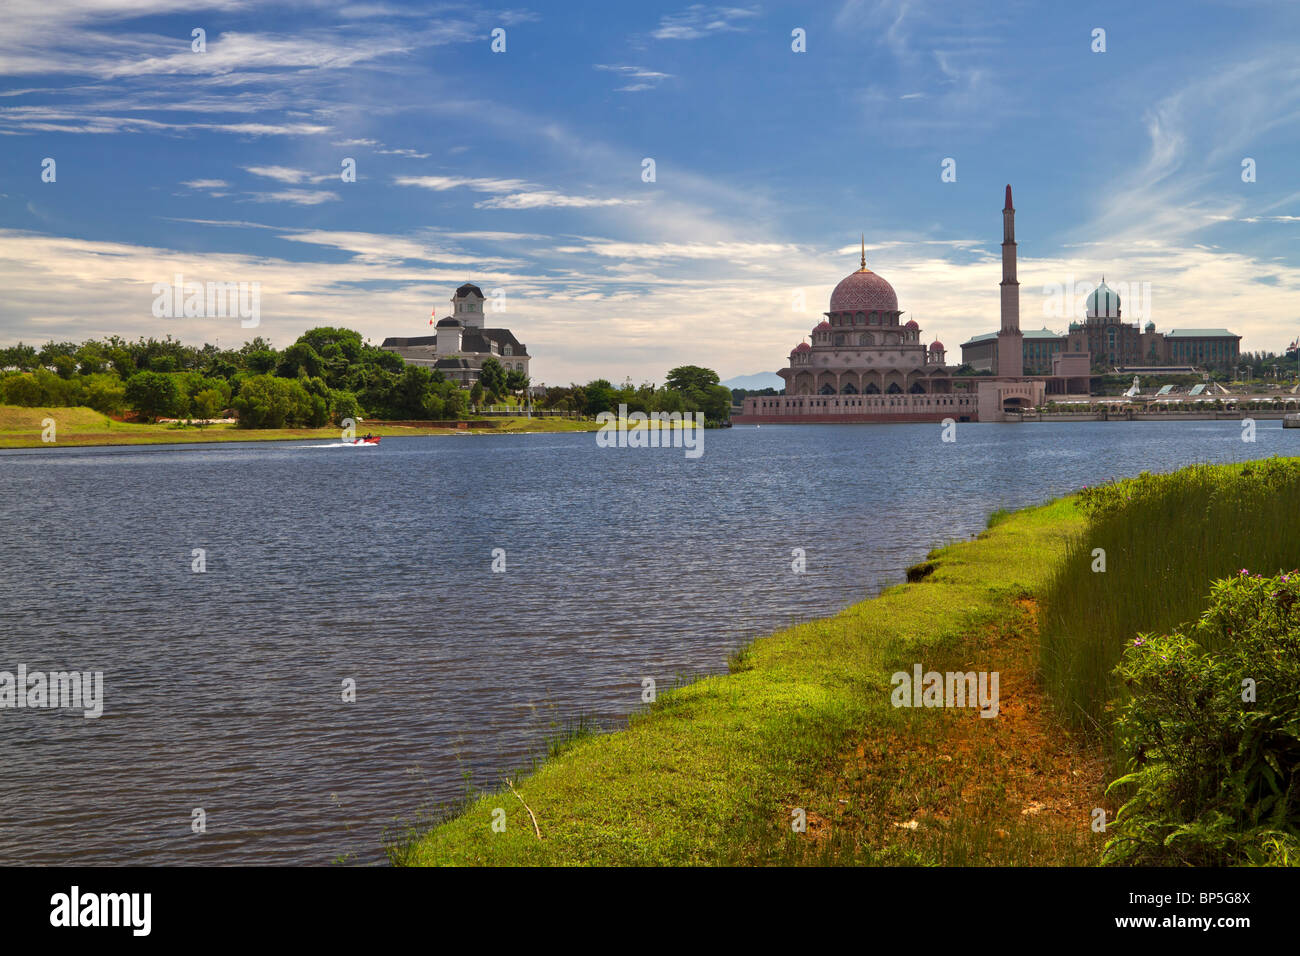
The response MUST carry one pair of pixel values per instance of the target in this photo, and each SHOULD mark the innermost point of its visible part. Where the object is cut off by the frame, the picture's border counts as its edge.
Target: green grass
(1165, 538)
(709, 774)
(22, 427)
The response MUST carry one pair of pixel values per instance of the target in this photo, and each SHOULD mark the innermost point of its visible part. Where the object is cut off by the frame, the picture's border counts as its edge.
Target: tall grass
(1163, 539)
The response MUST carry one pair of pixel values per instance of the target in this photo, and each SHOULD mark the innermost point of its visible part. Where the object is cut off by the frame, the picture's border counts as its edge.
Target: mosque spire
(864, 250)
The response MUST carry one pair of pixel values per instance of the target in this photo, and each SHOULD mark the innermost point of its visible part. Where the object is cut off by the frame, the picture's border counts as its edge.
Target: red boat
(367, 440)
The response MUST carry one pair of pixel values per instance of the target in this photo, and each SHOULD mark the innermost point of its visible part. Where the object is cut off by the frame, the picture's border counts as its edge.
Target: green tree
(687, 377)
(516, 382)
(105, 392)
(300, 357)
(599, 396)
(493, 376)
(153, 395)
(207, 403)
(268, 401)
(343, 404)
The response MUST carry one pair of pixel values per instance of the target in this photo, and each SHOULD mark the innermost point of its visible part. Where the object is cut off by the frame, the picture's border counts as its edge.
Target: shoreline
(80, 427)
(711, 772)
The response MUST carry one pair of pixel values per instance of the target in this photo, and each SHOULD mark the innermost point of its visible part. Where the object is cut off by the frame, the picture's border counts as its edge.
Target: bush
(1217, 777)
(105, 392)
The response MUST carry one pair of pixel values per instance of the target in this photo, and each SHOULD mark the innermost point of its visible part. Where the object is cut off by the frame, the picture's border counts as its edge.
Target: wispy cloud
(511, 193)
(701, 20)
(297, 197)
(287, 174)
(639, 77)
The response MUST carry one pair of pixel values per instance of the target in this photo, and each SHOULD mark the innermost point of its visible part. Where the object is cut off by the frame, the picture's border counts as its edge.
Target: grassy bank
(715, 770)
(21, 427)
(803, 727)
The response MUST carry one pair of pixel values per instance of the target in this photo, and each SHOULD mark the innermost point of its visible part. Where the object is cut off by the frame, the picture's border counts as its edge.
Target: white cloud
(642, 78)
(701, 20)
(546, 198)
(297, 197)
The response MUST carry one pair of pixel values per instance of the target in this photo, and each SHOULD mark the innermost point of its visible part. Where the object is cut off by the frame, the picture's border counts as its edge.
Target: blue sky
(522, 170)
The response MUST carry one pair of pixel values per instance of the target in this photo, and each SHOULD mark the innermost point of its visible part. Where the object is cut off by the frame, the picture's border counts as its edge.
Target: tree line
(327, 375)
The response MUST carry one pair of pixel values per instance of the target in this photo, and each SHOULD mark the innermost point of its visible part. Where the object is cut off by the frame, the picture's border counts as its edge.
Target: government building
(462, 344)
(1112, 343)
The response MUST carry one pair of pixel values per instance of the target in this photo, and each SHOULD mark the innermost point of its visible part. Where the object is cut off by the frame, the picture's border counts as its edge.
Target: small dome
(802, 347)
(823, 326)
(1151, 326)
(936, 346)
(467, 288)
(911, 324)
(1104, 302)
(448, 322)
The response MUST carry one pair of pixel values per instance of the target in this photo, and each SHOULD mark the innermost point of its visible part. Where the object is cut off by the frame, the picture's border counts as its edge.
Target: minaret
(1011, 343)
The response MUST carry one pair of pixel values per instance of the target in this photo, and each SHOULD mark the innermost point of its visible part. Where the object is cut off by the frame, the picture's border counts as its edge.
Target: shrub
(1213, 727)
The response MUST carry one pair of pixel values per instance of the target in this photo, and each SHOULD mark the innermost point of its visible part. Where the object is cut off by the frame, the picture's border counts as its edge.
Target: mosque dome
(1104, 302)
(802, 347)
(863, 291)
(823, 326)
(936, 346)
(911, 324)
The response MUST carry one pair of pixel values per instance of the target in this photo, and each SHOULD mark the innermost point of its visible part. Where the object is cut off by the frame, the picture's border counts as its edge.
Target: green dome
(1104, 302)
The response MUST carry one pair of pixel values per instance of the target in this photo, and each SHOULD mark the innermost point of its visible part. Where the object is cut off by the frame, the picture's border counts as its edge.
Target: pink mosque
(864, 365)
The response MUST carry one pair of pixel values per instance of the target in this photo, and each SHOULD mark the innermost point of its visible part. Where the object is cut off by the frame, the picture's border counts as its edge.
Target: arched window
(894, 389)
(827, 389)
(871, 389)
(917, 388)
(508, 350)
(849, 389)
(839, 340)
(859, 318)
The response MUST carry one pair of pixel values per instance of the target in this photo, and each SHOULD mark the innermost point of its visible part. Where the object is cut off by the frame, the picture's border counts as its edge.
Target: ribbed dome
(823, 326)
(1104, 302)
(936, 346)
(911, 324)
(864, 291)
(802, 347)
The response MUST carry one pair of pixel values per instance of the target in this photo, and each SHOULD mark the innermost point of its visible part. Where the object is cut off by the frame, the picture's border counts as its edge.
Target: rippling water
(223, 689)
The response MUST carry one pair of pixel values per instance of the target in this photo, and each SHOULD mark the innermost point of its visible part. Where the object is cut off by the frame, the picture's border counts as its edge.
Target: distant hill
(756, 381)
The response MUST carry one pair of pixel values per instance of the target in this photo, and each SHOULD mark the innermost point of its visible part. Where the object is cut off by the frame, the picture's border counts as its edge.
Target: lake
(223, 689)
